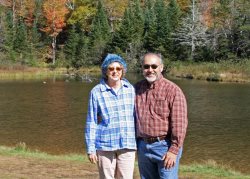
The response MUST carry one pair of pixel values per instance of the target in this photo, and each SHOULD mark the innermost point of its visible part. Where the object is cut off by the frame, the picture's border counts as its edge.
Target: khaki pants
(117, 164)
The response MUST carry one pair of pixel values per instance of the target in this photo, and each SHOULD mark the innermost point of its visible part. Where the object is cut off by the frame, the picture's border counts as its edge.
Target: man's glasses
(114, 68)
(153, 66)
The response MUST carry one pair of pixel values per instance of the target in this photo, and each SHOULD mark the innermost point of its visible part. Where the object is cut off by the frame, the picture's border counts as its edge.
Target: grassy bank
(226, 71)
(207, 170)
(24, 72)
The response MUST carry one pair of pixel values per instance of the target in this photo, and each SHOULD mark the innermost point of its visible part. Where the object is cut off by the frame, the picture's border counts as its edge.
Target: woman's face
(114, 72)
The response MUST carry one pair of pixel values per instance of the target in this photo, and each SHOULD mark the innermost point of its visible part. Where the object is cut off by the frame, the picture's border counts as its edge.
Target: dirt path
(17, 167)
(12, 167)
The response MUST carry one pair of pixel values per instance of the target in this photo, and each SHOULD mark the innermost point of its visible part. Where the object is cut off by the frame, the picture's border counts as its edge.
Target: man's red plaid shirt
(161, 109)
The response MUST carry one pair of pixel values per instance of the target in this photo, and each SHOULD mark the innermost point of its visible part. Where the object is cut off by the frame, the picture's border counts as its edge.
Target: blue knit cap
(110, 58)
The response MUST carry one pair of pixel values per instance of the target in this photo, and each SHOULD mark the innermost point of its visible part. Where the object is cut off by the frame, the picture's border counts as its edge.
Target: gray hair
(158, 55)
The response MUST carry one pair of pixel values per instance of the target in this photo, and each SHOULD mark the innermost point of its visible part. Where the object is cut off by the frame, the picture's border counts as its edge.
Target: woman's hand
(93, 158)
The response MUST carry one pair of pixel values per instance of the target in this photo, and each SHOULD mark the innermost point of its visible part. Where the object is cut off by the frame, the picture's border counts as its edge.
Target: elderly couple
(150, 118)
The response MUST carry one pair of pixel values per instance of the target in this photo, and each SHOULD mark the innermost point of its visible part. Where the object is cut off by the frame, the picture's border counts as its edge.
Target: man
(161, 123)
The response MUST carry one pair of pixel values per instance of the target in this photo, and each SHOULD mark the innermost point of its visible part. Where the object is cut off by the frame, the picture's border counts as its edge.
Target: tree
(8, 35)
(54, 11)
(82, 51)
(82, 13)
(115, 10)
(21, 40)
(192, 33)
(230, 29)
(150, 32)
(173, 15)
(70, 48)
(100, 33)
(173, 20)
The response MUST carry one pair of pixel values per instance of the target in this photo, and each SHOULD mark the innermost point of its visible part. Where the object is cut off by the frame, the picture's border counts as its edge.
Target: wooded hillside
(78, 33)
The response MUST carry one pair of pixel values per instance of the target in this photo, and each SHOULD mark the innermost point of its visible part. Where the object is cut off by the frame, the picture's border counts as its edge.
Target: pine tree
(128, 40)
(173, 15)
(100, 34)
(150, 32)
(137, 22)
(9, 36)
(21, 41)
(70, 48)
(173, 18)
(123, 37)
(82, 52)
(162, 26)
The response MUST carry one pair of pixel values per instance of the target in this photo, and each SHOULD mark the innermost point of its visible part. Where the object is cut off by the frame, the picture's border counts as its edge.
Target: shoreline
(23, 162)
(206, 72)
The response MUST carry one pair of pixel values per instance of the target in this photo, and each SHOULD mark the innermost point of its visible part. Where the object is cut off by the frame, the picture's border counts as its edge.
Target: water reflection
(50, 117)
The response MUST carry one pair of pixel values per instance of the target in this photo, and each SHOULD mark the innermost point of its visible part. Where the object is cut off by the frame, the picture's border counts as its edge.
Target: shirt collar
(106, 87)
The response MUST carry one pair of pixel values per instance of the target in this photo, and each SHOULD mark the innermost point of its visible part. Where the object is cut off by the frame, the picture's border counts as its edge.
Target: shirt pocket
(159, 106)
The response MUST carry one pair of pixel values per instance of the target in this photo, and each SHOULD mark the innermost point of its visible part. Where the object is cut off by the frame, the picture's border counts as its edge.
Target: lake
(49, 115)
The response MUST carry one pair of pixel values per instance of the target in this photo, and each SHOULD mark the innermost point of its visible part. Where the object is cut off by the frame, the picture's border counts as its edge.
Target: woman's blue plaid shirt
(110, 123)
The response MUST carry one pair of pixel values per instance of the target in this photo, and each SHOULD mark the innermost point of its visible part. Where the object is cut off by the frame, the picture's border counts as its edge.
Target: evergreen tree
(162, 26)
(71, 44)
(34, 37)
(134, 48)
(82, 51)
(150, 32)
(241, 28)
(100, 34)
(123, 37)
(9, 31)
(34, 44)
(173, 15)
(137, 22)
(173, 19)
(21, 41)
(128, 40)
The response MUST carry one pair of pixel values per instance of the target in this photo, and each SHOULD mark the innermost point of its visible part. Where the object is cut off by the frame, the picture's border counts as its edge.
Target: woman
(110, 129)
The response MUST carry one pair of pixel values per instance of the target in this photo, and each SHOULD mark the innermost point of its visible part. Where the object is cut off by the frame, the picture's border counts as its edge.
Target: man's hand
(93, 158)
(169, 160)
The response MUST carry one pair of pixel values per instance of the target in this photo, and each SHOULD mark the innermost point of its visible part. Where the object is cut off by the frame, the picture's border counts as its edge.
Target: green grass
(210, 169)
(207, 170)
(22, 150)
(227, 71)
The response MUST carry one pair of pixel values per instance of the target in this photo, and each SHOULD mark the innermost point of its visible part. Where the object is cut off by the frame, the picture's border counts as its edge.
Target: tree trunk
(14, 13)
(54, 50)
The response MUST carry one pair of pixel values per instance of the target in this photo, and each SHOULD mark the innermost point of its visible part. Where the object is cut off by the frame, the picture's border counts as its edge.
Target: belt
(151, 140)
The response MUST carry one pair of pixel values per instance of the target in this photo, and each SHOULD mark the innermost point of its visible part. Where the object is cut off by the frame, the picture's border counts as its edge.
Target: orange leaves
(54, 12)
(206, 7)
(28, 12)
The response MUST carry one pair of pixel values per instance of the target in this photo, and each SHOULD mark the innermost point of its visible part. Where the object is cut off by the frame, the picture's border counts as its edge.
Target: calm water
(49, 115)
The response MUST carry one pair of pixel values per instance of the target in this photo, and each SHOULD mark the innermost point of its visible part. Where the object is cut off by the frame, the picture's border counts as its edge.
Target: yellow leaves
(83, 15)
(115, 8)
(55, 12)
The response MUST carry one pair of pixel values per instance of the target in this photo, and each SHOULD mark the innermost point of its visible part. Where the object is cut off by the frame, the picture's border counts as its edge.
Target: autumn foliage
(54, 12)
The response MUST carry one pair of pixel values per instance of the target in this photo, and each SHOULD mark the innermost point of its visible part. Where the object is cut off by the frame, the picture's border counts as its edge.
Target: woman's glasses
(153, 66)
(114, 68)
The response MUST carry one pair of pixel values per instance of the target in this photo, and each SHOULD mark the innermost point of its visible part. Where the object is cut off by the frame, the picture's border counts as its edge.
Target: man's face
(152, 68)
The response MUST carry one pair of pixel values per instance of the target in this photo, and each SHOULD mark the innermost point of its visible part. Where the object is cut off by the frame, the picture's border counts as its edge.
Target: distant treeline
(79, 33)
